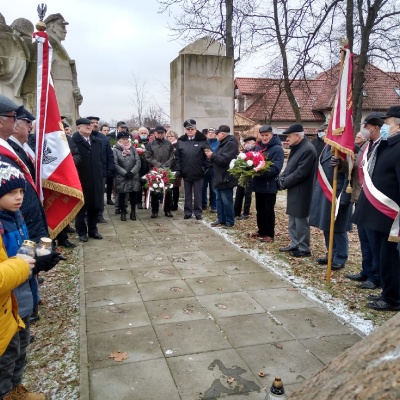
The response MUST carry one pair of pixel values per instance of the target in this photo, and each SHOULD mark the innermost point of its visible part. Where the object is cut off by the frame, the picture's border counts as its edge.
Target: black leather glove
(281, 186)
(129, 175)
(335, 161)
(177, 174)
(47, 262)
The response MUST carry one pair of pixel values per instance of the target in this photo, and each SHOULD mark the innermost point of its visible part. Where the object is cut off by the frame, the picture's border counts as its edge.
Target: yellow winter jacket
(13, 272)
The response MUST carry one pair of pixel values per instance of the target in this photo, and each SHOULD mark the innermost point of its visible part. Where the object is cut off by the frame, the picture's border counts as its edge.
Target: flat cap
(393, 111)
(189, 123)
(295, 128)
(119, 123)
(7, 105)
(322, 127)
(224, 128)
(248, 138)
(96, 118)
(23, 113)
(374, 118)
(265, 128)
(160, 129)
(65, 125)
(83, 121)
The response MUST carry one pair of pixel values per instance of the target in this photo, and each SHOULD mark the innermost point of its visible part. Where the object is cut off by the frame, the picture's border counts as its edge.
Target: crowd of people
(114, 163)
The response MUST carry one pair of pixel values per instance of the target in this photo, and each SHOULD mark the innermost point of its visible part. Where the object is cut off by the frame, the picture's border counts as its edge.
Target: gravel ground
(53, 358)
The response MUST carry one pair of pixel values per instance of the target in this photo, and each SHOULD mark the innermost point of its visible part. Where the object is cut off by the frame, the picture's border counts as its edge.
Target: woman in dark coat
(173, 138)
(127, 167)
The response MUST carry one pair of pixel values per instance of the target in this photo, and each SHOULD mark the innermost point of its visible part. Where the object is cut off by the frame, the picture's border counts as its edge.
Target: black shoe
(336, 266)
(374, 297)
(368, 285)
(110, 202)
(322, 261)
(123, 215)
(381, 305)
(227, 226)
(154, 215)
(95, 236)
(287, 248)
(356, 277)
(83, 238)
(117, 211)
(213, 210)
(34, 318)
(67, 244)
(174, 209)
(187, 216)
(40, 280)
(242, 217)
(217, 223)
(132, 216)
(199, 217)
(140, 206)
(101, 220)
(300, 253)
(68, 229)
(31, 339)
(204, 208)
(168, 214)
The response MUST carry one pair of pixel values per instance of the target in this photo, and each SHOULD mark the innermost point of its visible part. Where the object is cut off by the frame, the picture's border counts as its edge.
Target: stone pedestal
(202, 86)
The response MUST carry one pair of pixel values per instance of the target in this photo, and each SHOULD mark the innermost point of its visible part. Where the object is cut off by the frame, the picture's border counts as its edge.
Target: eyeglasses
(190, 129)
(9, 116)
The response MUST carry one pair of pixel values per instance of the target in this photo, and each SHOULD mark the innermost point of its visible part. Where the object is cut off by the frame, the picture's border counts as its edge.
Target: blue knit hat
(10, 178)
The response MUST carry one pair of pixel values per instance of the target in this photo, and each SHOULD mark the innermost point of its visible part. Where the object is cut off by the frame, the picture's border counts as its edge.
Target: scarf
(126, 148)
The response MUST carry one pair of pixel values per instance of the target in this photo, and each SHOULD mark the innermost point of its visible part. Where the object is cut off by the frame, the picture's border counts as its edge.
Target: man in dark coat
(265, 186)
(107, 159)
(378, 207)
(318, 141)
(320, 215)
(224, 182)
(298, 179)
(90, 171)
(191, 164)
(160, 154)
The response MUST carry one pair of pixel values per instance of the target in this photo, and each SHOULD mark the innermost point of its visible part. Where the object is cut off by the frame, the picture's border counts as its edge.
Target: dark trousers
(175, 198)
(265, 206)
(370, 249)
(110, 184)
(389, 267)
(122, 200)
(63, 235)
(157, 197)
(208, 183)
(80, 224)
(243, 193)
(13, 360)
(193, 195)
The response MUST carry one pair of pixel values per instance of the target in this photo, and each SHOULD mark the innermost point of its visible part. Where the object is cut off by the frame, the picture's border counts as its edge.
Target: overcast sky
(111, 41)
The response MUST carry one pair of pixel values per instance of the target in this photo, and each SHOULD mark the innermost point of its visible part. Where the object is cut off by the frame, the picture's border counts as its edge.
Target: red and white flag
(340, 128)
(57, 179)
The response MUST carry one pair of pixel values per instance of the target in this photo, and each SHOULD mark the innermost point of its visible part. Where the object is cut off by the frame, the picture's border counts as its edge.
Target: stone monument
(202, 86)
(18, 65)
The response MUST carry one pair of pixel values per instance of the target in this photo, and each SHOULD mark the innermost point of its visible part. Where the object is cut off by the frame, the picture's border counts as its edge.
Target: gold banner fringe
(68, 191)
(395, 239)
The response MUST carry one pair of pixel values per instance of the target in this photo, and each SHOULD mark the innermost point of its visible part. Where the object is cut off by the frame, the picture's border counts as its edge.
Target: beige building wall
(202, 86)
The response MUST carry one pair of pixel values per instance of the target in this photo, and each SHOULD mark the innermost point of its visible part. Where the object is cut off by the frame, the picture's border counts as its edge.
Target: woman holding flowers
(265, 186)
(127, 167)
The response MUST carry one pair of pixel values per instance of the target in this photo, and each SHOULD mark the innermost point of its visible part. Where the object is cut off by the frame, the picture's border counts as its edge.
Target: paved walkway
(191, 310)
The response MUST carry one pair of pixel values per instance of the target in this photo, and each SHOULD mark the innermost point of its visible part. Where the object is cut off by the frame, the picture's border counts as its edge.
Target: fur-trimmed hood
(199, 137)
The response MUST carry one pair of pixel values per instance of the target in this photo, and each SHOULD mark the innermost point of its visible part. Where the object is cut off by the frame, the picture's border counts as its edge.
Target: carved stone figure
(63, 70)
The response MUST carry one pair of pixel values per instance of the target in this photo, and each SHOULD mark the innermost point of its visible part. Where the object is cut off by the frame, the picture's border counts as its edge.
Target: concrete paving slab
(204, 376)
(260, 280)
(227, 253)
(180, 338)
(145, 241)
(230, 304)
(175, 310)
(110, 295)
(312, 322)
(290, 360)
(199, 270)
(326, 348)
(213, 285)
(140, 344)
(281, 299)
(106, 255)
(169, 233)
(94, 244)
(249, 330)
(169, 289)
(117, 316)
(153, 274)
(189, 258)
(148, 380)
(107, 264)
(108, 278)
(149, 260)
(240, 266)
(178, 247)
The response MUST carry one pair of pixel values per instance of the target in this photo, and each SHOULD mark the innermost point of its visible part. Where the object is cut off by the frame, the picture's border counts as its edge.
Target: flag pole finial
(41, 9)
(343, 42)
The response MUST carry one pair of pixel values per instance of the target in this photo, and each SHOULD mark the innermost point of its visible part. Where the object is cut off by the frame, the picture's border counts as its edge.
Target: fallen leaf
(186, 311)
(166, 316)
(118, 355)
(176, 289)
(230, 379)
(220, 288)
(262, 374)
(221, 306)
(103, 269)
(278, 346)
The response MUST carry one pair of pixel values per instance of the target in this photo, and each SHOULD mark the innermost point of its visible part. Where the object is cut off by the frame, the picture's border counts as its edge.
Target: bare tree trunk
(229, 38)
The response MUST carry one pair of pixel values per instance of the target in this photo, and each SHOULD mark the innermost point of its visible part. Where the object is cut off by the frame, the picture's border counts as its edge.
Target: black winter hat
(96, 118)
(160, 129)
(23, 113)
(374, 118)
(10, 178)
(224, 128)
(265, 128)
(83, 121)
(295, 128)
(123, 134)
(189, 123)
(393, 111)
(248, 138)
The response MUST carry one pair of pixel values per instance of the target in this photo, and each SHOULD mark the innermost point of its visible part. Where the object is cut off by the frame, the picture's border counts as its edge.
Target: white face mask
(366, 133)
(321, 134)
